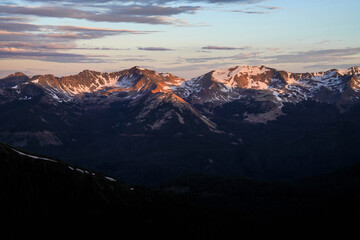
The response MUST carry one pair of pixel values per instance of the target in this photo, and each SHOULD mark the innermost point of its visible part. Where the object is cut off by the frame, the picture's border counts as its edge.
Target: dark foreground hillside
(44, 196)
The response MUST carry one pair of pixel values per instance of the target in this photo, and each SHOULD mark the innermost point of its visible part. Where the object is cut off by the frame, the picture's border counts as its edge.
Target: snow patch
(127, 81)
(181, 119)
(26, 98)
(110, 179)
(34, 157)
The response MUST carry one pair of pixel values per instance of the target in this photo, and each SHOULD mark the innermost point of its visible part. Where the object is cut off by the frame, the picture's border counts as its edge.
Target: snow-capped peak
(241, 76)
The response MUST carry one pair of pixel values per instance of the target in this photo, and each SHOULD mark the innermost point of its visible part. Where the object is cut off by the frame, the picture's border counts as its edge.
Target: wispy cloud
(27, 45)
(91, 32)
(63, 36)
(21, 40)
(146, 12)
(329, 66)
(221, 48)
(154, 49)
(315, 56)
(240, 56)
(259, 9)
(134, 59)
(54, 46)
(131, 14)
(268, 7)
(10, 25)
(147, 2)
(15, 24)
(50, 56)
(153, 10)
(328, 41)
(250, 12)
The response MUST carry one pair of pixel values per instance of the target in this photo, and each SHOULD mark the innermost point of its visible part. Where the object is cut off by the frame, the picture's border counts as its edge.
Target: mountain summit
(134, 79)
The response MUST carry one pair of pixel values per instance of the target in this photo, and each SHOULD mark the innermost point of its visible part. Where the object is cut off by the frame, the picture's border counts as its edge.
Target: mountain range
(147, 128)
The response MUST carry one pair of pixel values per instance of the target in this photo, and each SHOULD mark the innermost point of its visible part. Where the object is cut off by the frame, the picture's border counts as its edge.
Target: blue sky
(187, 38)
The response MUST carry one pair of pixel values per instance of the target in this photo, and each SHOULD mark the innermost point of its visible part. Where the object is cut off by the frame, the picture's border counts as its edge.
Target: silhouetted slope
(43, 196)
(48, 196)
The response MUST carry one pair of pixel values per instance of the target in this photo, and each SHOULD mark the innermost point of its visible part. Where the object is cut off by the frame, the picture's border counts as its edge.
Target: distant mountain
(147, 128)
(262, 84)
(134, 79)
(13, 80)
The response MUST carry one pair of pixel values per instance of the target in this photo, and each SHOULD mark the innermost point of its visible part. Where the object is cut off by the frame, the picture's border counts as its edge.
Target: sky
(185, 38)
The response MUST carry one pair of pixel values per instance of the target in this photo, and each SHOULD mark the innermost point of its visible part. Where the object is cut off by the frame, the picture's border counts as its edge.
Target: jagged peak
(225, 74)
(254, 68)
(243, 68)
(87, 71)
(140, 71)
(139, 68)
(13, 80)
(16, 74)
(341, 71)
(52, 76)
(355, 70)
(231, 76)
(261, 77)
